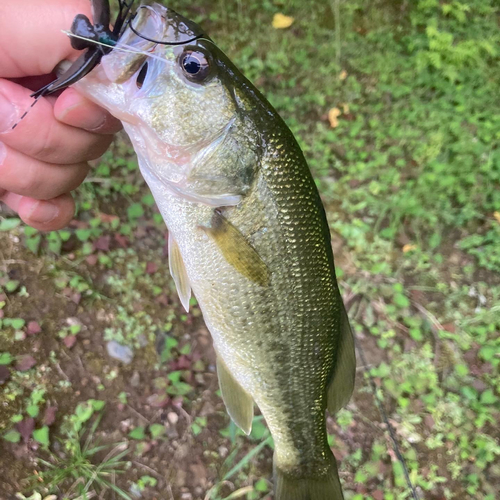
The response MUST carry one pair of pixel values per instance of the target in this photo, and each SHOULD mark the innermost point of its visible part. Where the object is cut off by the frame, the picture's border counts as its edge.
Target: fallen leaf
(409, 247)
(25, 428)
(280, 21)
(158, 400)
(162, 299)
(33, 328)
(49, 417)
(151, 267)
(449, 327)
(107, 217)
(4, 374)
(333, 114)
(92, 260)
(429, 421)
(25, 363)
(121, 240)
(102, 243)
(69, 341)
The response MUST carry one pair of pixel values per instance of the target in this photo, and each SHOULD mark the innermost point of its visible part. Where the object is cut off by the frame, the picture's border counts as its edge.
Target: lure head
(182, 102)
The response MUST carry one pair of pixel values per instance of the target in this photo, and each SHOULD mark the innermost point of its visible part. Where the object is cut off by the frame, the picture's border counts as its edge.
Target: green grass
(77, 471)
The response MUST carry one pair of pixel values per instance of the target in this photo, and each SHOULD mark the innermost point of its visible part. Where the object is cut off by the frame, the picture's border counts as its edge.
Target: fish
(247, 235)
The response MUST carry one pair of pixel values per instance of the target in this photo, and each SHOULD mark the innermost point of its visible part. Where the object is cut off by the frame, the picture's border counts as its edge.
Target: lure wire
(159, 42)
(385, 418)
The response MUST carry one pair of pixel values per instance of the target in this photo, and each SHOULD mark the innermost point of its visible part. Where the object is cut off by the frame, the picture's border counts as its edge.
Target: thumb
(31, 41)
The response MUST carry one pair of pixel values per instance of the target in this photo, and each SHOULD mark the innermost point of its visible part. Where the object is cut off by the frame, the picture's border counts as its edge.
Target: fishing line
(385, 418)
(127, 48)
(26, 112)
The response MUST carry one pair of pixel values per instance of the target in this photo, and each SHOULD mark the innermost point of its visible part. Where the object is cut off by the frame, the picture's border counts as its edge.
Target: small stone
(135, 380)
(92, 260)
(25, 363)
(121, 352)
(173, 418)
(19, 335)
(72, 321)
(33, 328)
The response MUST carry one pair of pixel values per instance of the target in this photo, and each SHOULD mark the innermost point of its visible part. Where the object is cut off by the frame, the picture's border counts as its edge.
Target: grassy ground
(395, 104)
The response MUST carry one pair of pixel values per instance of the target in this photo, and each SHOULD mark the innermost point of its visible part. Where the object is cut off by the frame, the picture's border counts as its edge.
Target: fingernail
(96, 124)
(8, 114)
(3, 152)
(43, 212)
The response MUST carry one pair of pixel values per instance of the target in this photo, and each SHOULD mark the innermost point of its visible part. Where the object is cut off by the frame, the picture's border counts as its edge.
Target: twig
(435, 327)
(60, 370)
(156, 474)
(170, 494)
(335, 6)
(385, 418)
(139, 414)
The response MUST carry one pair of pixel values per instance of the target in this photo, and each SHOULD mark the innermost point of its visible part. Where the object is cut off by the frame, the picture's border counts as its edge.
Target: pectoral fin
(178, 272)
(238, 402)
(236, 249)
(342, 384)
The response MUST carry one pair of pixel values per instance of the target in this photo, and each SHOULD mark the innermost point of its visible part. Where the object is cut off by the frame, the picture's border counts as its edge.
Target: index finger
(31, 40)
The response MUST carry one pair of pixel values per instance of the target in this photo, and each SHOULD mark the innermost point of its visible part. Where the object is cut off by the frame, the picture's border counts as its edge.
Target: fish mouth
(152, 28)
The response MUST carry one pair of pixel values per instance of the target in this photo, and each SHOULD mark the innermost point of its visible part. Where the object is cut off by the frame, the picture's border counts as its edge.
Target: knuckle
(28, 183)
(43, 146)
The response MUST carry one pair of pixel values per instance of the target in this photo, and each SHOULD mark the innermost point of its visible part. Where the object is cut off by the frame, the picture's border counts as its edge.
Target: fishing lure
(98, 40)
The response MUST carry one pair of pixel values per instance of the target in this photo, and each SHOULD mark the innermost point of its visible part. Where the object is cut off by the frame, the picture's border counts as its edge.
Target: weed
(77, 468)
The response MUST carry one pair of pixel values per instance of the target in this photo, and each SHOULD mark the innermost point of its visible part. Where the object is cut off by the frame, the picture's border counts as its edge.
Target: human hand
(45, 156)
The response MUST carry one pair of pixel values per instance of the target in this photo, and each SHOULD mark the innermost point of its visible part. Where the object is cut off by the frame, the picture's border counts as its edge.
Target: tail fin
(288, 487)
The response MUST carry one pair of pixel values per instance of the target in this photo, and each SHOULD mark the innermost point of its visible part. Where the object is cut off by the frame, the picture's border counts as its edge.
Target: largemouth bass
(248, 236)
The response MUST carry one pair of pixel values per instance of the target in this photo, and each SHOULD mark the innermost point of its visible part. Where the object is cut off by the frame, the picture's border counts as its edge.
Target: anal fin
(342, 383)
(238, 402)
(178, 272)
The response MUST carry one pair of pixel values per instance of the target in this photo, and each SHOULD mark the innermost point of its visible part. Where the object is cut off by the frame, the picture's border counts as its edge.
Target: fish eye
(195, 65)
(142, 76)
